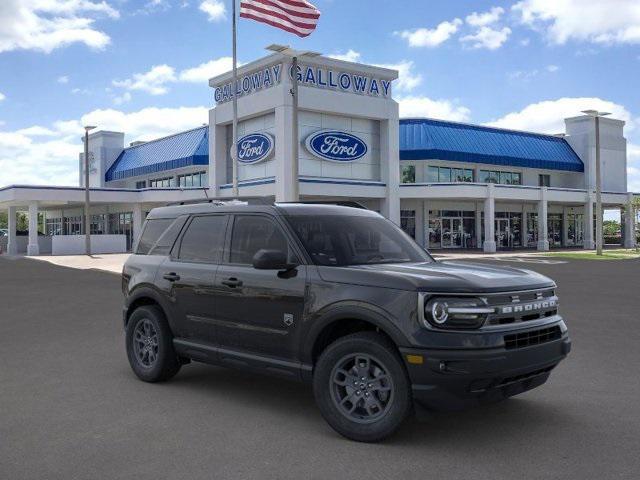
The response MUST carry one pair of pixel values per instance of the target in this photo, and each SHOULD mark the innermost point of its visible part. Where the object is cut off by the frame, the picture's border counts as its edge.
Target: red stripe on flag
(273, 13)
(278, 6)
(274, 24)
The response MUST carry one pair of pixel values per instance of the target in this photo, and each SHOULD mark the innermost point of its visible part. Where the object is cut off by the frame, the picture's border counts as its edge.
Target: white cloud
(525, 42)
(45, 25)
(349, 56)
(420, 106)
(424, 37)
(63, 79)
(215, 10)
(486, 18)
(120, 99)
(548, 116)
(487, 37)
(552, 68)
(154, 81)
(595, 21)
(48, 155)
(2, 96)
(203, 72)
(407, 78)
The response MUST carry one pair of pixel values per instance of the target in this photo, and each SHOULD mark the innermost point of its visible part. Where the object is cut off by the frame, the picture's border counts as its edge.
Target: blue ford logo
(336, 146)
(255, 148)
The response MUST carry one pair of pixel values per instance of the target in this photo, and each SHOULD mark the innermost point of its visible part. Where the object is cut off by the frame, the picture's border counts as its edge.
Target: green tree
(610, 228)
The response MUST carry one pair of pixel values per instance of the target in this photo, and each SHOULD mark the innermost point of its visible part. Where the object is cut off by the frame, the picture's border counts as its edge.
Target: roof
(183, 149)
(423, 139)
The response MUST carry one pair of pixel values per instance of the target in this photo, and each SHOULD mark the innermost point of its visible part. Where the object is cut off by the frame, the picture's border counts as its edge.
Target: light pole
(596, 114)
(295, 146)
(87, 216)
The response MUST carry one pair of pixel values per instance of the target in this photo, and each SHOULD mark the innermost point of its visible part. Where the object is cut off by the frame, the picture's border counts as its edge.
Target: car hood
(458, 277)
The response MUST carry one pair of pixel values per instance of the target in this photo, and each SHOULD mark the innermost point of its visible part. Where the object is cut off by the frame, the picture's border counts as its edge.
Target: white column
(284, 155)
(489, 245)
(478, 226)
(12, 245)
(33, 248)
(589, 242)
(390, 165)
(629, 224)
(425, 225)
(543, 240)
(137, 223)
(565, 227)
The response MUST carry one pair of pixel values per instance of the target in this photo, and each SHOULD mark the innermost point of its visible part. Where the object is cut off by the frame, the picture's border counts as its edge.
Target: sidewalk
(107, 262)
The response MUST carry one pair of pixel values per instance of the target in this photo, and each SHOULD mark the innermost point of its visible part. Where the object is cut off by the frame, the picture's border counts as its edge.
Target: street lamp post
(87, 216)
(596, 114)
(295, 146)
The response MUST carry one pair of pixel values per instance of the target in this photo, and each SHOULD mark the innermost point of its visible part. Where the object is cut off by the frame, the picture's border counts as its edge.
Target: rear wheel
(361, 387)
(150, 345)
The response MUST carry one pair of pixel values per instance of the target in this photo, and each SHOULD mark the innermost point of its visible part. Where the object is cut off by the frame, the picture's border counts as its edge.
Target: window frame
(174, 254)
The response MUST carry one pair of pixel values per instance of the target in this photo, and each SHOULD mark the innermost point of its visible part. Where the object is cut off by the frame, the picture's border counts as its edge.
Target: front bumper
(452, 379)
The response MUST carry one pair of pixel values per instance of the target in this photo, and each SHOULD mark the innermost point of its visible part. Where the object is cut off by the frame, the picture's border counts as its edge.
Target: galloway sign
(328, 78)
(255, 148)
(336, 146)
(248, 84)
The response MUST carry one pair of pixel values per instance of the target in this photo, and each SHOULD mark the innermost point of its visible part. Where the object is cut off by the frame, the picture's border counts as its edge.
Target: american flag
(294, 16)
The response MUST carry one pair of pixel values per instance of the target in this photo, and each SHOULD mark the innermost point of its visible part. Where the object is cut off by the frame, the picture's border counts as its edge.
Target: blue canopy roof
(183, 149)
(426, 139)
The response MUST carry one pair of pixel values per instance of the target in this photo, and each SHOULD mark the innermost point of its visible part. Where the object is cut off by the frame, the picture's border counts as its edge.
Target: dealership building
(449, 185)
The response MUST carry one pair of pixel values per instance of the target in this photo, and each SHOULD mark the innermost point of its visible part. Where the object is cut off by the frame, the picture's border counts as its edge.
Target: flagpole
(295, 193)
(234, 144)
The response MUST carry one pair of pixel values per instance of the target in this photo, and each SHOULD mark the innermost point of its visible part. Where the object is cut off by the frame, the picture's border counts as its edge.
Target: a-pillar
(32, 247)
(629, 224)
(489, 245)
(12, 243)
(589, 242)
(137, 222)
(543, 237)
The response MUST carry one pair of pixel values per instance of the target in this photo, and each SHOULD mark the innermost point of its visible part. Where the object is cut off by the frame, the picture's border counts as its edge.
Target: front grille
(534, 337)
(522, 307)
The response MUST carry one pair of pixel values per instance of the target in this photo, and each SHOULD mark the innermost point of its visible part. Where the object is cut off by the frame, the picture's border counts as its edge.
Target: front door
(451, 233)
(504, 237)
(259, 311)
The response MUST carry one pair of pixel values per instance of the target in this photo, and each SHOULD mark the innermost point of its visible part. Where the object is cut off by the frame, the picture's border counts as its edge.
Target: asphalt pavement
(70, 408)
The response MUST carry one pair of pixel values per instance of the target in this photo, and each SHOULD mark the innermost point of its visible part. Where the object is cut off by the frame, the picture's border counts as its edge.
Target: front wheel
(150, 345)
(361, 387)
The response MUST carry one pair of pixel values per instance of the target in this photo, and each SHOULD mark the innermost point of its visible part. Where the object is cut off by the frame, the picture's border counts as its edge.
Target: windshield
(341, 240)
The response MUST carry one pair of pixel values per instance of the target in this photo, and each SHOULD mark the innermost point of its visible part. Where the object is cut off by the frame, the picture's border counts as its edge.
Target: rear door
(259, 311)
(188, 276)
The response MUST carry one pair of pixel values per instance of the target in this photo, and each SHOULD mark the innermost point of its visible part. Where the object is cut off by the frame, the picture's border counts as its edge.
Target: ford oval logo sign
(336, 146)
(255, 148)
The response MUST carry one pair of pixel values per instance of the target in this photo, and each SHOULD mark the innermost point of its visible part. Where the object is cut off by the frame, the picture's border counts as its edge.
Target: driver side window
(251, 233)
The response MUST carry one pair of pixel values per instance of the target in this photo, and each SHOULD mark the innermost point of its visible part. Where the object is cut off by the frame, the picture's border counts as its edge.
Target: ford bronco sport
(340, 298)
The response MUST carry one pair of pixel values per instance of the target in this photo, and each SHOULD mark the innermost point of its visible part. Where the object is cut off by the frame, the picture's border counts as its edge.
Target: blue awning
(183, 149)
(427, 139)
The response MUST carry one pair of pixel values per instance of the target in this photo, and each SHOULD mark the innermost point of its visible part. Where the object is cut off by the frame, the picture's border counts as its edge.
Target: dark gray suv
(338, 297)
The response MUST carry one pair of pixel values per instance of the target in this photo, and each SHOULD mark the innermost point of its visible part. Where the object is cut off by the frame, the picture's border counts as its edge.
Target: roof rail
(339, 203)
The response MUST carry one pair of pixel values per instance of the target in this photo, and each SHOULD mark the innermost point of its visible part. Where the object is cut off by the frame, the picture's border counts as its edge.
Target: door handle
(232, 282)
(172, 277)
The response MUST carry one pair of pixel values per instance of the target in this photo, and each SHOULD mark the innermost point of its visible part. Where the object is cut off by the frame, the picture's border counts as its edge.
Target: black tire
(152, 357)
(338, 390)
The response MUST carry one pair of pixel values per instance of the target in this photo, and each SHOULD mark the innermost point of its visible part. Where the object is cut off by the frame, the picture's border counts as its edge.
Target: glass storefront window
(408, 222)
(504, 178)
(575, 229)
(452, 229)
(447, 175)
(432, 174)
(532, 229)
(554, 229)
(408, 174)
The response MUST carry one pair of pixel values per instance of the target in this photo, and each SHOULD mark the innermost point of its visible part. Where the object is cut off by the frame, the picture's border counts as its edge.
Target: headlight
(453, 312)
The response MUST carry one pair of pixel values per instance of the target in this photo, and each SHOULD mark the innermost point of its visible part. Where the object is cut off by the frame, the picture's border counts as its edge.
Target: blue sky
(142, 66)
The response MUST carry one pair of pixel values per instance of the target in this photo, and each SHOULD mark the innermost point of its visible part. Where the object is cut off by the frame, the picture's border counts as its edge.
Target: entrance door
(451, 233)
(504, 237)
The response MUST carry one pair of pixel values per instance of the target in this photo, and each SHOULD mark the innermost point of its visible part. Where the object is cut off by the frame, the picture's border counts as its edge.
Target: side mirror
(271, 260)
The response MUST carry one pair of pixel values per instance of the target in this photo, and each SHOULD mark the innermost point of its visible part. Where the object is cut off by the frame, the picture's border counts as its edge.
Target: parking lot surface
(70, 408)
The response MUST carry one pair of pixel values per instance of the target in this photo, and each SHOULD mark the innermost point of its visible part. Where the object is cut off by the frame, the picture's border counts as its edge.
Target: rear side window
(152, 232)
(204, 239)
(252, 233)
(159, 235)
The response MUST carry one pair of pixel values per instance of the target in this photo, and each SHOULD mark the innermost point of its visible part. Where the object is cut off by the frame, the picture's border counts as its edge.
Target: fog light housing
(456, 312)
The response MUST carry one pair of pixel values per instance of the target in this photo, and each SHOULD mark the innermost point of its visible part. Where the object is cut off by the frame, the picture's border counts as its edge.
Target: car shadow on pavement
(486, 426)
